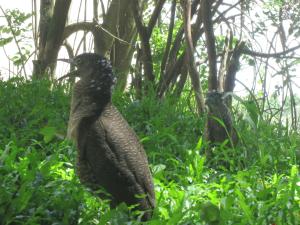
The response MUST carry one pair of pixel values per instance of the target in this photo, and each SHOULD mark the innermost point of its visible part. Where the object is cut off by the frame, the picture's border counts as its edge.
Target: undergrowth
(38, 182)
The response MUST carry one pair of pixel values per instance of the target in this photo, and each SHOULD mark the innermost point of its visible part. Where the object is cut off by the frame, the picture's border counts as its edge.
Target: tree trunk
(123, 50)
(190, 57)
(51, 36)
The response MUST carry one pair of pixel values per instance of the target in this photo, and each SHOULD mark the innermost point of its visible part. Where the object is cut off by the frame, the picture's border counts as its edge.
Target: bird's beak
(70, 74)
(71, 61)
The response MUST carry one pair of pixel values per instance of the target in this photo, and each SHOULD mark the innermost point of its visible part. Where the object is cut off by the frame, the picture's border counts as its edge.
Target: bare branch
(269, 55)
(155, 15)
(91, 27)
(174, 64)
(95, 10)
(81, 26)
(145, 37)
(142, 30)
(169, 39)
(102, 8)
(233, 67)
(190, 56)
(210, 43)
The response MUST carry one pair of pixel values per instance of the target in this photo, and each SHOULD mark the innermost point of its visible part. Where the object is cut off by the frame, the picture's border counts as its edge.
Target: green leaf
(48, 133)
(199, 144)
(210, 213)
(5, 41)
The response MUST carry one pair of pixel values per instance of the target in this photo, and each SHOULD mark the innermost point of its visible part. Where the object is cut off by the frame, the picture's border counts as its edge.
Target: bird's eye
(78, 61)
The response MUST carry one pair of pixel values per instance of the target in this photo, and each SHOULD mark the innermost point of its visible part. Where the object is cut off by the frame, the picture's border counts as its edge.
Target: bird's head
(92, 66)
(214, 99)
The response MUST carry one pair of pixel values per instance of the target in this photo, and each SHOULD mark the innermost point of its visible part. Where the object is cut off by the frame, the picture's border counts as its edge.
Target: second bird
(109, 152)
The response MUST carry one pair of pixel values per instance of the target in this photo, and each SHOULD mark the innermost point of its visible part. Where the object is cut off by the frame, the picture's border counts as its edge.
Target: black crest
(96, 65)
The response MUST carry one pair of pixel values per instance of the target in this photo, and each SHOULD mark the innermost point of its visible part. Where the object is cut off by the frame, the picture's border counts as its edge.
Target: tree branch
(190, 56)
(145, 34)
(233, 67)
(269, 55)
(155, 15)
(169, 39)
(210, 43)
(174, 64)
(141, 28)
(84, 26)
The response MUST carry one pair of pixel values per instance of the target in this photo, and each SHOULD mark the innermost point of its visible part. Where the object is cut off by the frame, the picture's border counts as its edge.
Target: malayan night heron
(110, 155)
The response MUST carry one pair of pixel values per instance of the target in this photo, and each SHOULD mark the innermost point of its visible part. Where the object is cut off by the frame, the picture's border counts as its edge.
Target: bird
(110, 155)
(219, 125)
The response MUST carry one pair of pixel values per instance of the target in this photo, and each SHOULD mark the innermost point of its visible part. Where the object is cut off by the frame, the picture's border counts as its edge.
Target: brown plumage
(216, 132)
(109, 153)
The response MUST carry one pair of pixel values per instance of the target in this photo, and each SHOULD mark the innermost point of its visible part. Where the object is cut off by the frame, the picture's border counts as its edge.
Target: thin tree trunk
(51, 36)
(190, 57)
(206, 11)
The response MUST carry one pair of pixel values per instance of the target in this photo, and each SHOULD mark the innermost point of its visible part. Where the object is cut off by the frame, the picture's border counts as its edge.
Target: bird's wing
(130, 154)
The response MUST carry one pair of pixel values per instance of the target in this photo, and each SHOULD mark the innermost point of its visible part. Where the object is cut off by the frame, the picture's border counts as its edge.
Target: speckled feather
(128, 166)
(214, 131)
(109, 152)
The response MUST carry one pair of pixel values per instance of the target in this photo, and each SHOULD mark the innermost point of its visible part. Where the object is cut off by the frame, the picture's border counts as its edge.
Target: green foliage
(38, 182)
(32, 110)
(38, 188)
(17, 29)
(158, 43)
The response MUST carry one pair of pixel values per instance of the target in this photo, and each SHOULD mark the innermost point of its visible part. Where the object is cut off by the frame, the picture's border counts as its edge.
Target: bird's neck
(88, 102)
(221, 112)
(91, 94)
